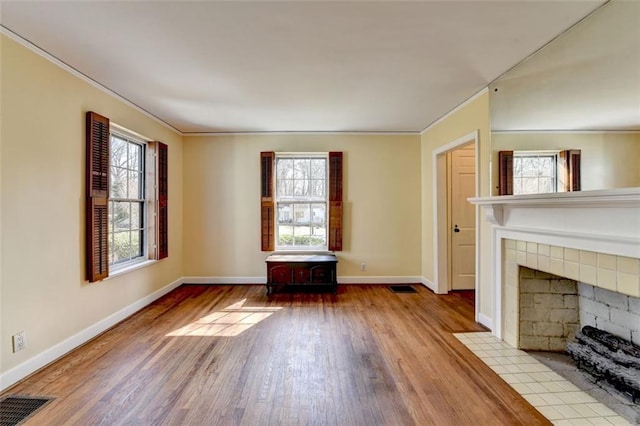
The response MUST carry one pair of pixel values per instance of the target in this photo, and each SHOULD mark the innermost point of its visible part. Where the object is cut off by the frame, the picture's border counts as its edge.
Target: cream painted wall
(222, 195)
(609, 160)
(43, 289)
(472, 116)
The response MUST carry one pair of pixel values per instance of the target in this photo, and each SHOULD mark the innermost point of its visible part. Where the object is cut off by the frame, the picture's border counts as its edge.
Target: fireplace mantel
(605, 219)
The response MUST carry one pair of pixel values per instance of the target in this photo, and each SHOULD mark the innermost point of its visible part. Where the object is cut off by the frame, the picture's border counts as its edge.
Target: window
(531, 172)
(301, 202)
(308, 196)
(534, 173)
(127, 200)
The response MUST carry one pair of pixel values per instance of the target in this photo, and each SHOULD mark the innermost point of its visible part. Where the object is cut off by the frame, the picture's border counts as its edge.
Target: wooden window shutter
(505, 173)
(267, 204)
(569, 170)
(97, 206)
(163, 199)
(335, 201)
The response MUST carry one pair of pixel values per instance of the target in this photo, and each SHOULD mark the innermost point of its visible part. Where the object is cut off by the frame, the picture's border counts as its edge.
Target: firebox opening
(549, 311)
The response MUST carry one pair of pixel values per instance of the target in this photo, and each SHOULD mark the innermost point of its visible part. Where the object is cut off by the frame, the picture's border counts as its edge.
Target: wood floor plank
(230, 355)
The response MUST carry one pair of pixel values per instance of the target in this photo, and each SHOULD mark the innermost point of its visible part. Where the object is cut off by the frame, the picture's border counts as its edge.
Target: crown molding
(320, 133)
(46, 55)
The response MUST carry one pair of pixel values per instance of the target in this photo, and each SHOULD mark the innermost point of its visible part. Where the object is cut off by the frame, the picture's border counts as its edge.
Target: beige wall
(609, 159)
(214, 194)
(381, 214)
(473, 116)
(42, 168)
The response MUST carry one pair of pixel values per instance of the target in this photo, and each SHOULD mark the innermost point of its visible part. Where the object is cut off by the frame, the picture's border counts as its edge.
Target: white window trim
(303, 249)
(150, 189)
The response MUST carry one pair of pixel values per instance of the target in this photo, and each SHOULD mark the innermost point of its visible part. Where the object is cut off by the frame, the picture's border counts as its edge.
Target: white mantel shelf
(618, 196)
(606, 219)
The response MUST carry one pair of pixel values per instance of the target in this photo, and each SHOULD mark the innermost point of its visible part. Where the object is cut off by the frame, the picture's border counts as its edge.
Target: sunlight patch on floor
(227, 322)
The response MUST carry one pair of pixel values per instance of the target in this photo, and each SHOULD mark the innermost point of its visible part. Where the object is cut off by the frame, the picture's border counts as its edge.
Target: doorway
(455, 168)
(461, 218)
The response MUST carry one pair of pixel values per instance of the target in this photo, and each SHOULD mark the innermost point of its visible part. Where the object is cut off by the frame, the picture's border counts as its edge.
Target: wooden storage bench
(301, 269)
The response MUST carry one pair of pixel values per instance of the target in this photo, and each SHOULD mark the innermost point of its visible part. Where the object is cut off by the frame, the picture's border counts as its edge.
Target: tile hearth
(557, 399)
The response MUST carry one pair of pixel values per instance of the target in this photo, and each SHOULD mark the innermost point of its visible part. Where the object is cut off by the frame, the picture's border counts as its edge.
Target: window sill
(130, 267)
(281, 251)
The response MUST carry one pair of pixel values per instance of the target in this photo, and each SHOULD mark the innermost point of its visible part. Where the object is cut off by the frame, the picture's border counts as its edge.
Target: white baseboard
(224, 280)
(35, 363)
(379, 280)
(485, 320)
(263, 280)
(428, 284)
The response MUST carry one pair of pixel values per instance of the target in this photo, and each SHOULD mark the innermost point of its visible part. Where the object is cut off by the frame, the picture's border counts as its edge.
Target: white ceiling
(292, 66)
(586, 80)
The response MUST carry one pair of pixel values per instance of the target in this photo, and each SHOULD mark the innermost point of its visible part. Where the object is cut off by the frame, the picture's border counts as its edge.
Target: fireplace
(565, 261)
(591, 237)
(555, 291)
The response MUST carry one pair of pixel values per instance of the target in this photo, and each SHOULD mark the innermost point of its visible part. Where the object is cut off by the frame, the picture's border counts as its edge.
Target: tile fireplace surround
(591, 237)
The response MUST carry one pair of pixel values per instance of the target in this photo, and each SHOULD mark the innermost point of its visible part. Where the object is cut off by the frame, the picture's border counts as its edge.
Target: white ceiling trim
(301, 133)
(46, 55)
(573, 132)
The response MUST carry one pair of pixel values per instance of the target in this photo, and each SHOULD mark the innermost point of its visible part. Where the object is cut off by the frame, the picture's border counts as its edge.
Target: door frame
(440, 214)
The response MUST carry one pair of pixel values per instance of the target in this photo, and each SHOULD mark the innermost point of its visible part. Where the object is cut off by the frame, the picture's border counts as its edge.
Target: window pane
(529, 186)
(118, 152)
(529, 167)
(284, 168)
(301, 168)
(319, 214)
(285, 188)
(546, 185)
(517, 166)
(285, 213)
(285, 235)
(547, 166)
(301, 188)
(136, 215)
(118, 182)
(121, 247)
(317, 189)
(135, 156)
(136, 247)
(301, 213)
(121, 216)
(134, 191)
(517, 185)
(318, 168)
(318, 236)
(534, 174)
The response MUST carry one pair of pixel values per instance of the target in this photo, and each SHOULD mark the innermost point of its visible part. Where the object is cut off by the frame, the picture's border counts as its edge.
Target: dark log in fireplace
(610, 358)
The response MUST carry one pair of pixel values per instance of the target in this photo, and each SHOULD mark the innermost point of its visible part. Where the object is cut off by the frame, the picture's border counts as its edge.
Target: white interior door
(462, 219)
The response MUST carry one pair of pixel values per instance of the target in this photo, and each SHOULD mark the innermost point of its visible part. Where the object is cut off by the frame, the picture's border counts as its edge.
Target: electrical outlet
(363, 266)
(19, 341)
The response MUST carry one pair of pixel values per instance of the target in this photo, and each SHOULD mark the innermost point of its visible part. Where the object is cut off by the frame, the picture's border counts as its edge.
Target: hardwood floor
(202, 356)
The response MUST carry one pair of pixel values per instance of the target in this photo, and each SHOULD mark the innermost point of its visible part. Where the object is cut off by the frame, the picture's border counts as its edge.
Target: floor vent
(402, 289)
(16, 409)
